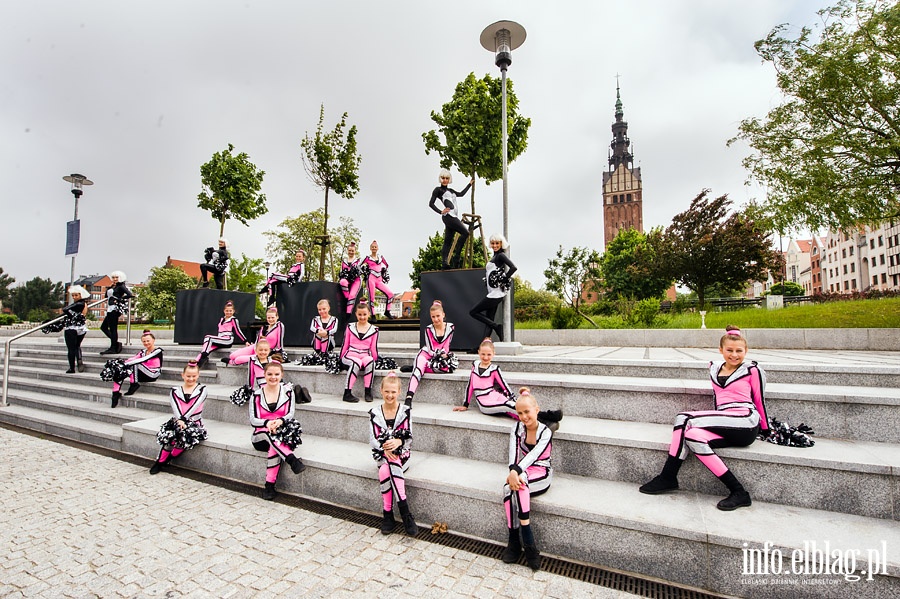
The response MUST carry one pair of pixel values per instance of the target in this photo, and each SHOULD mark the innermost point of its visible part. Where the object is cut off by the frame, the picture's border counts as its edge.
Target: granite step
(67, 426)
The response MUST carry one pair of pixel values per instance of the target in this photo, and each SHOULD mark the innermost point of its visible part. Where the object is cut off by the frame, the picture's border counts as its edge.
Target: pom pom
(119, 304)
(54, 327)
(499, 280)
(364, 270)
(241, 395)
(782, 433)
(403, 434)
(314, 359)
(170, 434)
(167, 434)
(115, 370)
(333, 364)
(289, 433)
(349, 274)
(442, 362)
(385, 276)
(383, 363)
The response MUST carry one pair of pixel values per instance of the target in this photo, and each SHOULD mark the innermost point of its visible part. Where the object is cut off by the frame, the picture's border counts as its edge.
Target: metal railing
(25, 334)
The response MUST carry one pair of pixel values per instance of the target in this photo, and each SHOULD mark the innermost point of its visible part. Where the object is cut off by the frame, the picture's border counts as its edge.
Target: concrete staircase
(844, 491)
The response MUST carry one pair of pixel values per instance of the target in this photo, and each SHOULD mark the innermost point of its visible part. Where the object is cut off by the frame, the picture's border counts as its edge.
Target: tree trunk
(324, 239)
(222, 226)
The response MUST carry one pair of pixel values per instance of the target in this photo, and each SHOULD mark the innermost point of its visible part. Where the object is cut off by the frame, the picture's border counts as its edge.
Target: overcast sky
(137, 95)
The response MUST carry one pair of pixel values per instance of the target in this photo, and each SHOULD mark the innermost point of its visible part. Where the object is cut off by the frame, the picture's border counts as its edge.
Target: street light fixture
(502, 38)
(73, 228)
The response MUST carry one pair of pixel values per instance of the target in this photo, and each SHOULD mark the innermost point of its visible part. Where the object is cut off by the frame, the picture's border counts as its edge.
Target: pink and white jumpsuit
(228, 330)
(390, 472)
(350, 288)
(260, 413)
(359, 352)
(739, 415)
(323, 345)
(490, 391)
(184, 409)
(433, 344)
(375, 281)
(273, 334)
(146, 367)
(276, 278)
(532, 461)
(256, 371)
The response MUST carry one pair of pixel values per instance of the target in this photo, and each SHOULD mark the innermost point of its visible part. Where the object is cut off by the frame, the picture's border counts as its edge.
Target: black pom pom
(498, 280)
(115, 370)
(383, 363)
(289, 433)
(442, 362)
(241, 395)
(332, 363)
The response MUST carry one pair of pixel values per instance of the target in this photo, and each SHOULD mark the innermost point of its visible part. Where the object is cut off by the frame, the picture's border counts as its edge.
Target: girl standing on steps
(117, 296)
(492, 394)
(438, 336)
(75, 327)
(739, 415)
(145, 366)
(359, 352)
(390, 437)
(271, 410)
(530, 474)
(272, 332)
(187, 402)
(228, 329)
(350, 277)
(377, 279)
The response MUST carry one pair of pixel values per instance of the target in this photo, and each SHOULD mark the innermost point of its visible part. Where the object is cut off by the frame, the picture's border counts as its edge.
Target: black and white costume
(217, 264)
(76, 329)
(117, 298)
(452, 224)
(497, 276)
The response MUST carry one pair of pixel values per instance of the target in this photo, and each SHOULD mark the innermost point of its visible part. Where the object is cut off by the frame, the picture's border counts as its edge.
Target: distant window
(845, 269)
(852, 267)
(851, 250)
(872, 244)
(882, 259)
(844, 252)
(846, 285)
(853, 283)
(884, 278)
(875, 279)
(880, 241)
(627, 197)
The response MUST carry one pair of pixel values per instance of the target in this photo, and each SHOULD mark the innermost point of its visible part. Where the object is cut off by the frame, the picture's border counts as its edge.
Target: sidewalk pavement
(78, 524)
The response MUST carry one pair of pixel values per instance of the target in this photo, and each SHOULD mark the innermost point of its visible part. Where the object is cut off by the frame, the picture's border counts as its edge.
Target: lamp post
(73, 229)
(502, 38)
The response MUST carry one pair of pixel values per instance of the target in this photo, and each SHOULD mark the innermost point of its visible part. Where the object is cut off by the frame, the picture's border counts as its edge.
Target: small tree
(705, 246)
(156, 300)
(301, 232)
(248, 275)
(429, 258)
(231, 187)
(570, 275)
(632, 265)
(331, 162)
(5, 282)
(37, 299)
(788, 288)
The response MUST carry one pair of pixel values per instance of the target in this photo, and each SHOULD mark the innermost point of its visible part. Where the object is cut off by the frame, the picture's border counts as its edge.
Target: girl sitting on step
(530, 474)
(739, 415)
(359, 352)
(272, 332)
(435, 355)
(390, 437)
(187, 401)
(145, 367)
(228, 329)
(323, 328)
(492, 394)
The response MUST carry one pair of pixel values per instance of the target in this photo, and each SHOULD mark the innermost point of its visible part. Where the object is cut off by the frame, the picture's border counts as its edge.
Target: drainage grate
(619, 581)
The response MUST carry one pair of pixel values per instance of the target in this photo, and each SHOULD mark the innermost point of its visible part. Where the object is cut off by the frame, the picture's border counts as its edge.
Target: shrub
(565, 318)
(8, 319)
(646, 312)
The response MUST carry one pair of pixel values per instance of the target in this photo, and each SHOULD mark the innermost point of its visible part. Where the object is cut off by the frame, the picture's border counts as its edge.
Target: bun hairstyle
(271, 309)
(300, 251)
(273, 363)
(229, 303)
(191, 365)
(732, 333)
(525, 395)
(323, 301)
(488, 342)
(148, 333)
(436, 305)
(390, 378)
(362, 306)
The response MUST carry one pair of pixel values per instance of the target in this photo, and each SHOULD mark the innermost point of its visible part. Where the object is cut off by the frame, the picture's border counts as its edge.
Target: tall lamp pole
(73, 229)
(502, 38)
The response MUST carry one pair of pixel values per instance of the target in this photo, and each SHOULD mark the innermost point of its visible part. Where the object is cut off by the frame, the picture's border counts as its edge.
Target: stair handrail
(9, 341)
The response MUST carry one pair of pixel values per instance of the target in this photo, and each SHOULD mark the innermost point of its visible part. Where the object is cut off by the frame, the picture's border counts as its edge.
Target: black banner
(197, 313)
(297, 307)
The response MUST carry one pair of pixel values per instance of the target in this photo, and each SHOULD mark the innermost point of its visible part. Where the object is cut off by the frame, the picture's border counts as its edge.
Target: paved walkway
(78, 524)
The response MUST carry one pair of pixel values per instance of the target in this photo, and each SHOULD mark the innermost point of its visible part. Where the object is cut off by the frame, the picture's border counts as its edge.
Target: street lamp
(502, 38)
(73, 228)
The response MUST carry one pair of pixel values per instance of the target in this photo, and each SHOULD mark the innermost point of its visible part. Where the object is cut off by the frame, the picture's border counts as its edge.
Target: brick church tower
(622, 189)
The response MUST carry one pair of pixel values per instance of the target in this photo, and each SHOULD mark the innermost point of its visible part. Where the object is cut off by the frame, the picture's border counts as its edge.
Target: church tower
(622, 190)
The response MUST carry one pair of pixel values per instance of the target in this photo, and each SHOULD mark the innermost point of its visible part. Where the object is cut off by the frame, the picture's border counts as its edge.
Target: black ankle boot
(533, 557)
(116, 396)
(349, 397)
(204, 358)
(269, 492)
(296, 464)
(80, 366)
(665, 481)
(513, 550)
(156, 467)
(388, 524)
(738, 497)
(132, 388)
(409, 521)
(368, 395)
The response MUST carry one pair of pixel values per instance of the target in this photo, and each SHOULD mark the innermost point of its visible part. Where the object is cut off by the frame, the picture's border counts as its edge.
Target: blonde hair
(390, 378)
(498, 237)
(436, 305)
(323, 301)
(445, 173)
(732, 333)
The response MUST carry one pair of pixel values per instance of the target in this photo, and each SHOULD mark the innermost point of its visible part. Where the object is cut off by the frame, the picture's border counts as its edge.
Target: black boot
(119, 347)
(388, 315)
(368, 395)
(71, 370)
(550, 418)
(409, 521)
(132, 388)
(388, 524)
(116, 396)
(204, 358)
(513, 550)
(739, 497)
(665, 481)
(498, 328)
(533, 557)
(349, 397)
(296, 464)
(156, 467)
(408, 401)
(80, 366)
(105, 352)
(269, 492)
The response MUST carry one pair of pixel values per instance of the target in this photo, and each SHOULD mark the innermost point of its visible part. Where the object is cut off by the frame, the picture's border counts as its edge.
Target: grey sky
(137, 95)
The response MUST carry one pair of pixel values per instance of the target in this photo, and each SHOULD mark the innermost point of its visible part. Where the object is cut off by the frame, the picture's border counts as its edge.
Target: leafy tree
(156, 300)
(429, 258)
(231, 187)
(331, 162)
(248, 275)
(5, 282)
(788, 288)
(531, 303)
(829, 155)
(301, 232)
(37, 299)
(570, 275)
(632, 266)
(705, 246)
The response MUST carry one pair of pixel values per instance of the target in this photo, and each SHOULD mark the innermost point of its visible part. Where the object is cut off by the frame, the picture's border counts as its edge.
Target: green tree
(531, 303)
(429, 258)
(705, 246)
(301, 232)
(632, 265)
(156, 300)
(331, 162)
(248, 275)
(37, 299)
(788, 288)
(5, 282)
(231, 186)
(829, 155)
(570, 275)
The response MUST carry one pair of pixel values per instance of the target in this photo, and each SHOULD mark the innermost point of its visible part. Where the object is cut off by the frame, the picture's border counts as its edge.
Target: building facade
(622, 186)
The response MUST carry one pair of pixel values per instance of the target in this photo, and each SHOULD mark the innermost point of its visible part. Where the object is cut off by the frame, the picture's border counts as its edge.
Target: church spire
(620, 142)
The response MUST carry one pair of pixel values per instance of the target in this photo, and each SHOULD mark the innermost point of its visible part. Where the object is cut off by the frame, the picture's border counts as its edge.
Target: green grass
(873, 313)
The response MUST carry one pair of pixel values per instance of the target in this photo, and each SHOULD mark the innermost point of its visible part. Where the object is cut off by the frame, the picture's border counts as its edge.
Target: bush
(788, 288)
(565, 318)
(38, 315)
(8, 319)
(646, 312)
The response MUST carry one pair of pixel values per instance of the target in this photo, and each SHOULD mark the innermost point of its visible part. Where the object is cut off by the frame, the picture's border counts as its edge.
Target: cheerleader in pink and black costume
(378, 277)
(530, 474)
(273, 332)
(438, 336)
(146, 366)
(323, 328)
(359, 352)
(271, 406)
(187, 401)
(350, 277)
(276, 279)
(228, 329)
(256, 364)
(740, 415)
(390, 437)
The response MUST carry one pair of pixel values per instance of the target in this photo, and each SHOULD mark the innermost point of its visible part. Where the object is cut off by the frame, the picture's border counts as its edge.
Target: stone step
(93, 367)
(681, 537)
(79, 408)
(84, 430)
